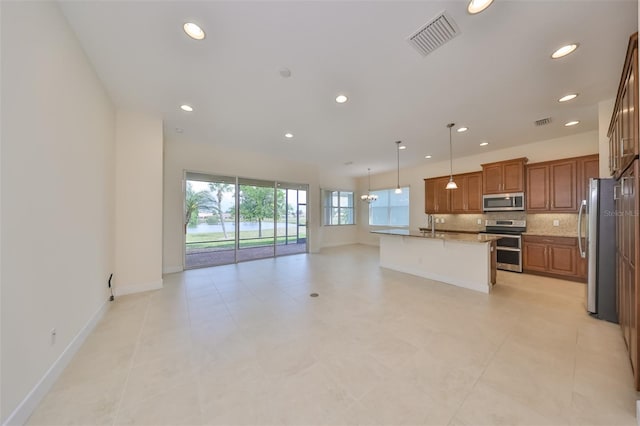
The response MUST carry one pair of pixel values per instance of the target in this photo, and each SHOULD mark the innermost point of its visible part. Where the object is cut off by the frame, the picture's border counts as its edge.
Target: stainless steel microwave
(503, 202)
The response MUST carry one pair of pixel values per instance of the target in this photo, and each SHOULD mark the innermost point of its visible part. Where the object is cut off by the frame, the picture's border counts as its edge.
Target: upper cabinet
(623, 134)
(559, 186)
(551, 186)
(466, 199)
(436, 197)
(503, 176)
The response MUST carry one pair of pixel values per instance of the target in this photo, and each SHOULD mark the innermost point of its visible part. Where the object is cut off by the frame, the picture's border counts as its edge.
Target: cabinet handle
(622, 145)
(616, 194)
(624, 189)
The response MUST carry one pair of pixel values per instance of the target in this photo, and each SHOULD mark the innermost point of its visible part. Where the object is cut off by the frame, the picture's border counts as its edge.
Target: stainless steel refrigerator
(597, 243)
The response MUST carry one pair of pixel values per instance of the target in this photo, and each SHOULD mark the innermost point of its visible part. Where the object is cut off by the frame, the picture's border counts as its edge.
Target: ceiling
(496, 77)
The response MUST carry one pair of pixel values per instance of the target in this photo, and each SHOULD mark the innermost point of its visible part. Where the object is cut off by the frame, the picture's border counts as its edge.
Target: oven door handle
(508, 248)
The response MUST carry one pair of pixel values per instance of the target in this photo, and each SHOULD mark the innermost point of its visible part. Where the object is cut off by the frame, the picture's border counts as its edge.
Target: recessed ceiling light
(477, 6)
(193, 30)
(427, 156)
(341, 99)
(288, 135)
(187, 108)
(402, 147)
(564, 50)
(568, 97)
(571, 123)
(462, 129)
(484, 143)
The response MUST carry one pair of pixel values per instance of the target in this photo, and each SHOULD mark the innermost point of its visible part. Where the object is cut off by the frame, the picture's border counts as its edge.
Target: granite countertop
(449, 236)
(451, 230)
(549, 234)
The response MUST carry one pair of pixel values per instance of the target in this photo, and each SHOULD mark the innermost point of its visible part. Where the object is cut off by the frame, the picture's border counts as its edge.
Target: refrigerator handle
(583, 206)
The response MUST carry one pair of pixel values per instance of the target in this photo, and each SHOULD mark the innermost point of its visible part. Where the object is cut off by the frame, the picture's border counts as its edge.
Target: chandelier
(369, 197)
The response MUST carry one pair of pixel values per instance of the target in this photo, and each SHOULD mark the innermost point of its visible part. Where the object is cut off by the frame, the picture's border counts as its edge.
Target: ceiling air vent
(434, 34)
(543, 121)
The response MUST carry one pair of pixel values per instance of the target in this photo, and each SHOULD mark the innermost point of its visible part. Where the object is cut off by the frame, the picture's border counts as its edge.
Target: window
(390, 209)
(338, 207)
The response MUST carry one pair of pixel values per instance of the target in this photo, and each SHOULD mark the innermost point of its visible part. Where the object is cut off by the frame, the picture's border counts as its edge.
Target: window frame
(327, 206)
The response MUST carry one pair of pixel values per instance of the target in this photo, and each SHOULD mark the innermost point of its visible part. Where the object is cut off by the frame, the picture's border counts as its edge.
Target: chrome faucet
(431, 222)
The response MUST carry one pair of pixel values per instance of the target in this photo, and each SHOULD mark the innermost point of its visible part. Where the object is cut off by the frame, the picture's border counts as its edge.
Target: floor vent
(543, 121)
(434, 34)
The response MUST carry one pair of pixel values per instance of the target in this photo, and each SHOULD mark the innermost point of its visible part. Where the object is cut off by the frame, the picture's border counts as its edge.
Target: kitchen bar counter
(463, 260)
(457, 236)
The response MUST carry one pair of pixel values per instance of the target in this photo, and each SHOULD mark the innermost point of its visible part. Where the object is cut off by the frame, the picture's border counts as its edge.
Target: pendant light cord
(450, 125)
(398, 156)
(450, 156)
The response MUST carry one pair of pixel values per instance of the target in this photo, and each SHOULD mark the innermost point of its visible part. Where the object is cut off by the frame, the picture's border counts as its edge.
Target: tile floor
(245, 344)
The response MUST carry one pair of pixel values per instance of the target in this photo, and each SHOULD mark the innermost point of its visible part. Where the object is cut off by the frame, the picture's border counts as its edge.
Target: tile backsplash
(539, 223)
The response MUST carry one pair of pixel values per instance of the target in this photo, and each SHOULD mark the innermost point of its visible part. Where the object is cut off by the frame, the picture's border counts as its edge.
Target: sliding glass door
(292, 219)
(210, 224)
(256, 218)
(230, 219)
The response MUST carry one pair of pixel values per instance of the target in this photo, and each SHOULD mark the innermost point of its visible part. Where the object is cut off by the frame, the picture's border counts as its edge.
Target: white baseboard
(172, 269)
(21, 414)
(121, 290)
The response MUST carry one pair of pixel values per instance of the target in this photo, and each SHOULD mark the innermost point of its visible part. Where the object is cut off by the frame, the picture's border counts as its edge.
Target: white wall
(181, 155)
(138, 245)
(332, 236)
(57, 194)
(570, 146)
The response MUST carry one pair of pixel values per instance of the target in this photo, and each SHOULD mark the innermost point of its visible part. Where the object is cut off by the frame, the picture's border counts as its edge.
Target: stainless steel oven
(509, 246)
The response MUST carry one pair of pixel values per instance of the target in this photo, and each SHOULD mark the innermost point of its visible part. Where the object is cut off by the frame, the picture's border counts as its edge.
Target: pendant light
(369, 197)
(451, 184)
(398, 189)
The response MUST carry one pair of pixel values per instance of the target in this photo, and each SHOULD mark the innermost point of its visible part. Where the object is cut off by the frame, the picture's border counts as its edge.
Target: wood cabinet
(563, 177)
(503, 176)
(537, 194)
(442, 195)
(627, 240)
(588, 168)
(551, 256)
(436, 196)
(623, 130)
(466, 199)
(429, 196)
(623, 165)
(560, 185)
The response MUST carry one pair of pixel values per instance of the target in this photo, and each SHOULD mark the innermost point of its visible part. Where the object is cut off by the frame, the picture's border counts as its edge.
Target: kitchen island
(460, 259)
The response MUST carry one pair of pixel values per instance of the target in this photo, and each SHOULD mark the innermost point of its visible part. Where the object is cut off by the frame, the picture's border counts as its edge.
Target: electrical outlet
(556, 222)
(479, 221)
(442, 220)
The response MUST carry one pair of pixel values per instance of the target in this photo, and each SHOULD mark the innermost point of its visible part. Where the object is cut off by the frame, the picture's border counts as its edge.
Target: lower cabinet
(552, 256)
(627, 258)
